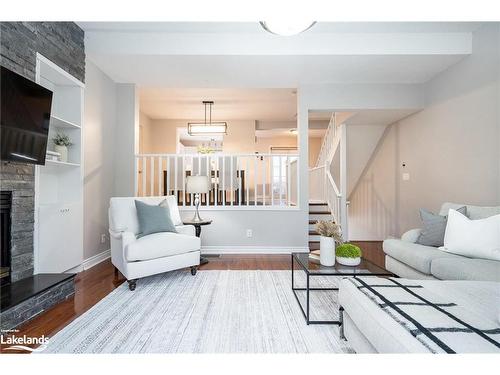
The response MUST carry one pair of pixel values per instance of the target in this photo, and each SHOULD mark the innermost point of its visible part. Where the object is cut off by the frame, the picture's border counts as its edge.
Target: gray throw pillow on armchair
(153, 219)
(434, 227)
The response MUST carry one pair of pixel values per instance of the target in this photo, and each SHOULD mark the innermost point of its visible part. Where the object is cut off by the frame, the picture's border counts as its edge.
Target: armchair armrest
(411, 235)
(185, 229)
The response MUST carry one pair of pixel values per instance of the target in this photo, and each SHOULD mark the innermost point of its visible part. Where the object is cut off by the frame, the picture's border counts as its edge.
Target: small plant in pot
(330, 233)
(348, 254)
(61, 144)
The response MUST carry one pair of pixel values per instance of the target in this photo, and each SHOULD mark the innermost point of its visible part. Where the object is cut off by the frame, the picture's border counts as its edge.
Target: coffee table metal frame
(325, 272)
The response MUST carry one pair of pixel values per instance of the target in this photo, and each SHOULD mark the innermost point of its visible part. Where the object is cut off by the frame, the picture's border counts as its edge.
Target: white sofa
(152, 254)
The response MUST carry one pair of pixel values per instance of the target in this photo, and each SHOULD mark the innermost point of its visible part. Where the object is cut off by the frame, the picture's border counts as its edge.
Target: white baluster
(144, 171)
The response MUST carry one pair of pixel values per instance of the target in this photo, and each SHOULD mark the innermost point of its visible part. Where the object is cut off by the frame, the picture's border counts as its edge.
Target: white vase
(327, 251)
(349, 261)
(63, 150)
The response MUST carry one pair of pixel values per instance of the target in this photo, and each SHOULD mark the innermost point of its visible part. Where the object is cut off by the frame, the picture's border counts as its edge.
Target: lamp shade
(197, 184)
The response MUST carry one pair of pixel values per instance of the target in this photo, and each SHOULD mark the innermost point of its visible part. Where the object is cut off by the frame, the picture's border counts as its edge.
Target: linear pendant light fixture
(207, 128)
(286, 28)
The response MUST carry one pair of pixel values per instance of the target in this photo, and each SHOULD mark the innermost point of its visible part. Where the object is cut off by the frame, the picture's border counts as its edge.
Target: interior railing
(322, 185)
(236, 180)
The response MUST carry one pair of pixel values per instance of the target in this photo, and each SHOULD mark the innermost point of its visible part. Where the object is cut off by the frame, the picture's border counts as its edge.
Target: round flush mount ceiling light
(286, 28)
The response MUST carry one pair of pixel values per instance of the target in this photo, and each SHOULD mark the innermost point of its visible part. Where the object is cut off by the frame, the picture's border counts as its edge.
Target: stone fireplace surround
(62, 43)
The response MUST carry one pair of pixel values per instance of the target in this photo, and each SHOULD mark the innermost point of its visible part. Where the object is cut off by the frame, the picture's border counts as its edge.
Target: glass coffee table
(301, 262)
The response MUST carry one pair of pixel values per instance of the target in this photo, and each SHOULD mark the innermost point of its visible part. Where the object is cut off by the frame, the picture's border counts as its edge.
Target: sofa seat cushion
(414, 255)
(159, 245)
(466, 269)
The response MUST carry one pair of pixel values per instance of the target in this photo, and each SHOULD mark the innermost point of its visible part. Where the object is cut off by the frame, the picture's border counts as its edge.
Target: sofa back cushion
(472, 238)
(433, 227)
(473, 212)
(123, 214)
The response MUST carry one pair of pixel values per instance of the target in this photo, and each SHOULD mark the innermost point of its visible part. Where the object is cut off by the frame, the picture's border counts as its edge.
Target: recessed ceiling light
(287, 28)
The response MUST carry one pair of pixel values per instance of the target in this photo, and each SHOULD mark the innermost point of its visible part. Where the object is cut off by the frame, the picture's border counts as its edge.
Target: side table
(197, 228)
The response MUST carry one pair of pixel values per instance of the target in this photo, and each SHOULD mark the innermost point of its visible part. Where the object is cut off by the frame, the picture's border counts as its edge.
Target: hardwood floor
(96, 283)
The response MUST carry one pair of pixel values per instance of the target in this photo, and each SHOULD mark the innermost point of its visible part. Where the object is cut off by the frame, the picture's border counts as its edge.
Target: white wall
(361, 141)
(273, 231)
(126, 138)
(99, 145)
(450, 149)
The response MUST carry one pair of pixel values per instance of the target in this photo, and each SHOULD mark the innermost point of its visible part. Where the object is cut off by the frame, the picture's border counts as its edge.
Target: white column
(127, 143)
(303, 164)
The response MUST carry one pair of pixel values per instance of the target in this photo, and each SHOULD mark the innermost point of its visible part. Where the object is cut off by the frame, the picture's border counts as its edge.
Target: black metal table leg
(341, 325)
(307, 300)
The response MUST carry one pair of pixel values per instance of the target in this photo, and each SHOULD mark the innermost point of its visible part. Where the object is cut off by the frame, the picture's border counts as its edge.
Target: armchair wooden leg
(193, 270)
(131, 284)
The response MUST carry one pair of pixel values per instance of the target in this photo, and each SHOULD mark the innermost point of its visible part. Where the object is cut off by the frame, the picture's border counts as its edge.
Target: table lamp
(197, 185)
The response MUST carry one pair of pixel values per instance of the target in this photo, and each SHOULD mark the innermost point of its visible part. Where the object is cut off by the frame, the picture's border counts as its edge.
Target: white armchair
(152, 254)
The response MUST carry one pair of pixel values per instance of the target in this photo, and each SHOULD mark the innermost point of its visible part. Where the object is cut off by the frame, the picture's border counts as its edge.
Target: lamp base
(196, 216)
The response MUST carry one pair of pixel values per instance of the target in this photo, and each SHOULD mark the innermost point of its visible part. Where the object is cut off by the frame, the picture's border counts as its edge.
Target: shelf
(60, 123)
(60, 163)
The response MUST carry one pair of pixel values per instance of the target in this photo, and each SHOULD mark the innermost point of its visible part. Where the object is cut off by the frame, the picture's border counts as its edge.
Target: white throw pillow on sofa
(472, 238)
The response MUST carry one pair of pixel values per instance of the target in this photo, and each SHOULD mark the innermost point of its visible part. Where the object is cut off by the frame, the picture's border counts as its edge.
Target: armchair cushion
(153, 219)
(160, 245)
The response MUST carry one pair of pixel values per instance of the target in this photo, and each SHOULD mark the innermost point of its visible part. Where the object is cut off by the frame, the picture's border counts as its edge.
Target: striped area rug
(212, 312)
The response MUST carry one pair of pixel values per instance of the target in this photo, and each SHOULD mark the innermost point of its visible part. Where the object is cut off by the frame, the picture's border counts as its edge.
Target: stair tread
(318, 204)
(320, 212)
(313, 221)
(313, 233)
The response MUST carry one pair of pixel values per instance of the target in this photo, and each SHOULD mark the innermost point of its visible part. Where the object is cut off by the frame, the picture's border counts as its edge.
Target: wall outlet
(103, 238)
(249, 233)
(406, 176)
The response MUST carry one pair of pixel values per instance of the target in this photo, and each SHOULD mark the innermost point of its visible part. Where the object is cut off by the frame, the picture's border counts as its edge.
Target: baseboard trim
(209, 250)
(96, 259)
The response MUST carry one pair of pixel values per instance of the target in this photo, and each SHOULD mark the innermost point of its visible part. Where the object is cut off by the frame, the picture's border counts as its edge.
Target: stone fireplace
(23, 294)
(17, 197)
(5, 258)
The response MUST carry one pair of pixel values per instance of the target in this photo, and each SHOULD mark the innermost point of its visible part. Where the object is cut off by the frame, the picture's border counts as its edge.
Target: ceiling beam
(241, 44)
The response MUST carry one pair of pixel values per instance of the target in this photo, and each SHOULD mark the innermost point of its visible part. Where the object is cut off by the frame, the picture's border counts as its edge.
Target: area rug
(212, 312)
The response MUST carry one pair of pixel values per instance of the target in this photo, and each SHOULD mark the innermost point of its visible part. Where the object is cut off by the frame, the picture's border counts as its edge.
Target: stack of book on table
(54, 156)
(314, 256)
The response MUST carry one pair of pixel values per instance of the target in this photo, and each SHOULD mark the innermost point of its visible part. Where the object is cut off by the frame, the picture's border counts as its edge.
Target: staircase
(317, 211)
(322, 185)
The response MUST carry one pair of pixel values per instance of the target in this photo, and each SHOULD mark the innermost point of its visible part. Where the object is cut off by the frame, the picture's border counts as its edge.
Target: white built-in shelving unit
(59, 185)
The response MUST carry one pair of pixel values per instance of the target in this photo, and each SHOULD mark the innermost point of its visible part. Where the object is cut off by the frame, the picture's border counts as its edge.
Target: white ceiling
(243, 55)
(229, 104)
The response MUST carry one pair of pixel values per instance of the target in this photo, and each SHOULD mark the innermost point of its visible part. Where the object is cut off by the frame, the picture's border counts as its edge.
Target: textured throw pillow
(433, 227)
(472, 238)
(173, 210)
(153, 219)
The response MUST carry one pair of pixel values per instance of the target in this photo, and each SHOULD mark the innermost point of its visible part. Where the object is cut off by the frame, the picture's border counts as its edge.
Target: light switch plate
(406, 176)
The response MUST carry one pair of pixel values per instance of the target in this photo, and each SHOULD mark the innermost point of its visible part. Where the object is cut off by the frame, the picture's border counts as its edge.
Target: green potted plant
(61, 144)
(330, 233)
(348, 254)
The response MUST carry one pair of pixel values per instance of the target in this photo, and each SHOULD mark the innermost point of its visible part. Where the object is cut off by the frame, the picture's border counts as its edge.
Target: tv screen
(24, 119)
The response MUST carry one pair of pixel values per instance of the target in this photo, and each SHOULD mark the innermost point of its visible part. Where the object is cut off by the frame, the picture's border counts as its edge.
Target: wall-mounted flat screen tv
(24, 119)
